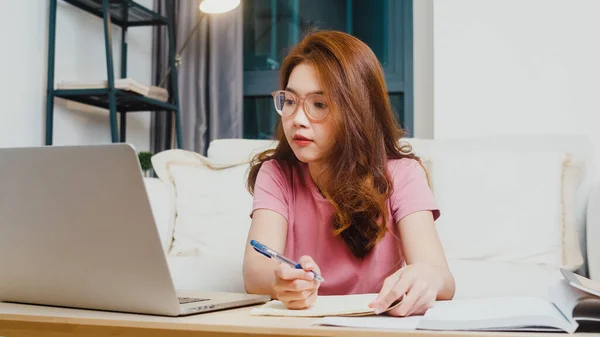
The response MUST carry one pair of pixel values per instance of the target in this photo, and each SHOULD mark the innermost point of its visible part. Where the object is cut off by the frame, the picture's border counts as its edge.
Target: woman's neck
(317, 175)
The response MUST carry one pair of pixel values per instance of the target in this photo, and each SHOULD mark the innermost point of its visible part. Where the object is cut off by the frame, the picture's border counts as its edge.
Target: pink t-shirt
(294, 195)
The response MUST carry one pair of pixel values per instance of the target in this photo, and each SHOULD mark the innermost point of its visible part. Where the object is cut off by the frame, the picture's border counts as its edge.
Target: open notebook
(346, 305)
(572, 300)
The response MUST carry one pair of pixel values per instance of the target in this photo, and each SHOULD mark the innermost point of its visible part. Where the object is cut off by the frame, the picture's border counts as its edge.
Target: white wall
(79, 56)
(512, 66)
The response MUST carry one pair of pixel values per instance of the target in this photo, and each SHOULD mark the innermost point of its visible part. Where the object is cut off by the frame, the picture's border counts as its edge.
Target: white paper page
(501, 314)
(486, 308)
(372, 322)
(566, 298)
(324, 306)
(493, 313)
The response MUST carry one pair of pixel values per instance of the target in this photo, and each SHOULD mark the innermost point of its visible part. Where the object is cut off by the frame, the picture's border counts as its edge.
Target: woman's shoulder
(404, 165)
(403, 170)
(277, 170)
(275, 166)
(411, 188)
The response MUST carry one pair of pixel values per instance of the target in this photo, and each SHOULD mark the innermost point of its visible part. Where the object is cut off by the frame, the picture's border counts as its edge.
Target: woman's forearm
(269, 228)
(259, 279)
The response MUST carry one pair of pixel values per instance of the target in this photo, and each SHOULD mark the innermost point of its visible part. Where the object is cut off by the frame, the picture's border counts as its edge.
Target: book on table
(572, 300)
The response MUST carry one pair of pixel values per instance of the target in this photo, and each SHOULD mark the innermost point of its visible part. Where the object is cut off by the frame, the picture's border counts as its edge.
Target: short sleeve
(272, 189)
(411, 190)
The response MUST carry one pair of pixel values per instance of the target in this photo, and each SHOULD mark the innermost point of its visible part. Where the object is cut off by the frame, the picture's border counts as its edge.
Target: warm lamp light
(218, 6)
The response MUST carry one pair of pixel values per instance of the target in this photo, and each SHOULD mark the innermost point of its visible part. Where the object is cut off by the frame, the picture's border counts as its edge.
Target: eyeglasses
(286, 103)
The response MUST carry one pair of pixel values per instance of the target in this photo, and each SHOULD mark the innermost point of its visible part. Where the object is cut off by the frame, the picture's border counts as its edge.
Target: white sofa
(514, 210)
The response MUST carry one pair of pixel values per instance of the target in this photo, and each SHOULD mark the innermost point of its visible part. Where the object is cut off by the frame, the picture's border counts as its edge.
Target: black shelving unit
(124, 13)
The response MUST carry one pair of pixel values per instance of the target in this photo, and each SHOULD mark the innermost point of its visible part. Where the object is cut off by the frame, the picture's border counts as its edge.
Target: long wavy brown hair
(367, 135)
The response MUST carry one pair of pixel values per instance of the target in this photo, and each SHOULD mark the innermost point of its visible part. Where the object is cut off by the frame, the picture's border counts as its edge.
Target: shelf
(126, 100)
(123, 13)
(137, 15)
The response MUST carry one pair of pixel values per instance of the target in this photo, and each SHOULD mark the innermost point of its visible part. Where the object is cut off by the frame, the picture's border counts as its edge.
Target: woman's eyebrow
(320, 92)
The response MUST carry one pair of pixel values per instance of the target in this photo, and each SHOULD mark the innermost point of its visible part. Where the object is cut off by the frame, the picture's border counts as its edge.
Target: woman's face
(308, 138)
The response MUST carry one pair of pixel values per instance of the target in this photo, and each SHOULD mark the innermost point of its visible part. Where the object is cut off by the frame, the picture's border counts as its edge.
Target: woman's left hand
(416, 285)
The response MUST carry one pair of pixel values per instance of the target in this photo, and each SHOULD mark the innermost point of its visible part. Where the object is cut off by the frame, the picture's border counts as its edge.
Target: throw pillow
(212, 204)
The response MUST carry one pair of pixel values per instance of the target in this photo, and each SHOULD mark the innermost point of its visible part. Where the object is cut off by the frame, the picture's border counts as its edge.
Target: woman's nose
(300, 117)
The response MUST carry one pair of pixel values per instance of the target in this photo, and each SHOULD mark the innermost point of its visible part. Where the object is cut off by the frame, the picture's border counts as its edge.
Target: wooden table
(18, 320)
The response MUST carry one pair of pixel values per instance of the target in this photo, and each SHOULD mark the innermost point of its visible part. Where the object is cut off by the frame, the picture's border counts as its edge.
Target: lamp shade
(218, 6)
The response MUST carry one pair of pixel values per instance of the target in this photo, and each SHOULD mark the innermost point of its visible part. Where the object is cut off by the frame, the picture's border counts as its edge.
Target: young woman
(339, 193)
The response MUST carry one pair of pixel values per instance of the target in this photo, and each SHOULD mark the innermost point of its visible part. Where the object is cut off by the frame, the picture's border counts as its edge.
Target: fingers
(299, 300)
(307, 264)
(407, 303)
(285, 272)
(423, 305)
(418, 299)
(415, 285)
(391, 291)
(388, 284)
(297, 288)
(282, 286)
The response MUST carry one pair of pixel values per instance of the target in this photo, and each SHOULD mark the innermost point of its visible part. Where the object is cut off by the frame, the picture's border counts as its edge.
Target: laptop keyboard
(184, 300)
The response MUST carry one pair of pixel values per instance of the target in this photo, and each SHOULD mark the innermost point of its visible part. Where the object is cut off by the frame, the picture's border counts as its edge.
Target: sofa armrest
(593, 233)
(162, 201)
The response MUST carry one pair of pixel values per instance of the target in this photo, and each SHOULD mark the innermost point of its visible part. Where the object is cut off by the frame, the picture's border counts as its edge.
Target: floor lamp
(206, 7)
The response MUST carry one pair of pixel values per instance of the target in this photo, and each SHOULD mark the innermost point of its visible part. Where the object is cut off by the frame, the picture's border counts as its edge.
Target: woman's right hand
(297, 288)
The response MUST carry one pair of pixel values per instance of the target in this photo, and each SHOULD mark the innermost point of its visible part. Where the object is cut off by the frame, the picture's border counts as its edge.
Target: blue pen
(268, 252)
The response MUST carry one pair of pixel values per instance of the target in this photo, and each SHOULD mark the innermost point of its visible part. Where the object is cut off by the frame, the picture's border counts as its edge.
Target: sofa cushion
(476, 279)
(237, 150)
(217, 274)
(577, 180)
(162, 201)
(213, 205)
(502, 205)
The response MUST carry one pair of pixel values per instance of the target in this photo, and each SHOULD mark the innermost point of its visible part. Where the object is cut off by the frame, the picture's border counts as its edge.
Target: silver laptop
(77, 230)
